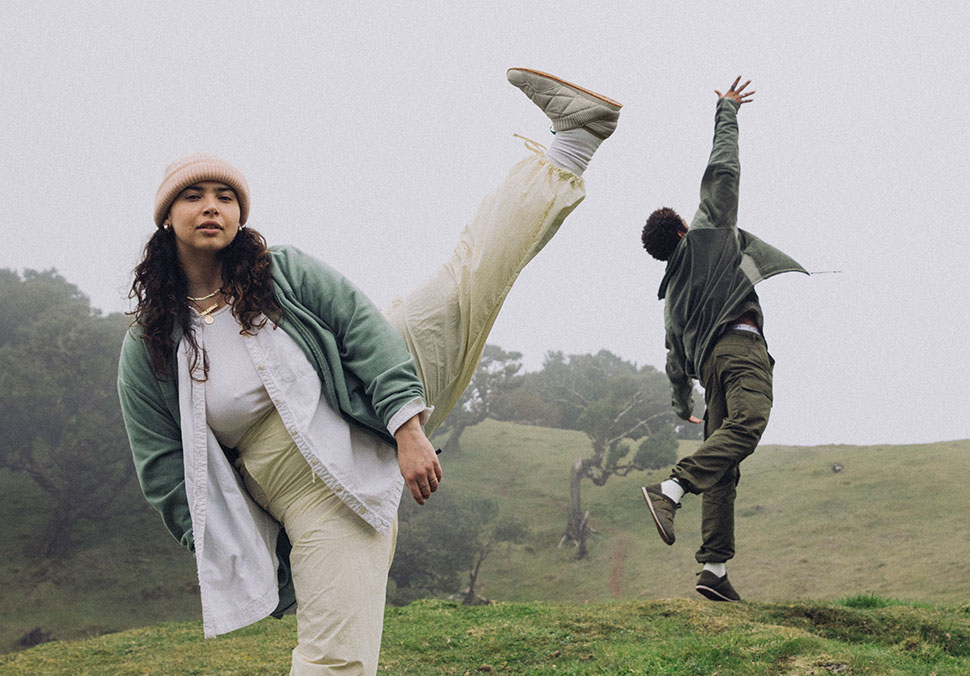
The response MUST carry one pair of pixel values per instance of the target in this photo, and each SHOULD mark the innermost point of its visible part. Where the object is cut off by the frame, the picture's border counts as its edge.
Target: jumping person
(714, 333)
(275, 415)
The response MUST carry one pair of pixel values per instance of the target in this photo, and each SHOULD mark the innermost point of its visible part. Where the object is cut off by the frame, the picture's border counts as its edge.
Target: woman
(274, 414)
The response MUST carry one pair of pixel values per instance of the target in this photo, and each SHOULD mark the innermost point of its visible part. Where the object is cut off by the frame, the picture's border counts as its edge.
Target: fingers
(420, 490)
(424, 482)
(737, 91)
(428, 485)
(416, 493)
(740, 89)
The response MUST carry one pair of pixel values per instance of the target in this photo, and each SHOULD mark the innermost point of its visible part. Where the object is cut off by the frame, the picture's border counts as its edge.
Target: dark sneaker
(715, 588)
(662, 510)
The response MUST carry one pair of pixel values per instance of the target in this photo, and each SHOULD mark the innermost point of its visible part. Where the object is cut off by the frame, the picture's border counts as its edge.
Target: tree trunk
(471, 598)
(56, 539)
(582, 551)
(453, 445)
(574, 523)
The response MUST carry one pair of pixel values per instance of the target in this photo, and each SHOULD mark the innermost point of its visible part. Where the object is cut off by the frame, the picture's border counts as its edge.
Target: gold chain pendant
(207, 313)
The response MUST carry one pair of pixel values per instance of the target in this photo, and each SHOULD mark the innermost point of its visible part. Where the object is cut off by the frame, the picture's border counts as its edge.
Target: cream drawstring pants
(339, 562)
(445, 322)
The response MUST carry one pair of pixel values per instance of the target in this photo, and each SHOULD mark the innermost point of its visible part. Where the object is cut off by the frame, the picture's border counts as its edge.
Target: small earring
(166, 226)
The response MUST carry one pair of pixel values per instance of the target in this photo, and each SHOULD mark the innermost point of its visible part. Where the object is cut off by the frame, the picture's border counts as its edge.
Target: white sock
(672, 489)
(572, 149)
(718, 569)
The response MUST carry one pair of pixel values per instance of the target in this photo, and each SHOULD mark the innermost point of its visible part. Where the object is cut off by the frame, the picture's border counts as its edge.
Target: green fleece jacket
(710, 276)
(363, 364)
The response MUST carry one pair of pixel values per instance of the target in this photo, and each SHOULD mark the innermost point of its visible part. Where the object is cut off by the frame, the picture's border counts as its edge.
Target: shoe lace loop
(534, 146)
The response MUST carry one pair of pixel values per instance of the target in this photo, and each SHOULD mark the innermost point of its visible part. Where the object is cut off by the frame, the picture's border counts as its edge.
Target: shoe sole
(615, 105)
(653, 513)
(713, 594)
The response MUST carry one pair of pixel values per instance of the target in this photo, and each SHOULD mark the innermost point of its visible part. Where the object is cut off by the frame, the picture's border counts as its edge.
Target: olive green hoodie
(710, 276)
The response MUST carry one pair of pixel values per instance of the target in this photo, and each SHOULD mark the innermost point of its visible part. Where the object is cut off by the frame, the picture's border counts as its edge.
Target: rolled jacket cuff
(683, 409)
(414, 407)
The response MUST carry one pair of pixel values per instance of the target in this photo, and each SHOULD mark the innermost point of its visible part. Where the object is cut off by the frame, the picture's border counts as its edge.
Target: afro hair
(662, 232)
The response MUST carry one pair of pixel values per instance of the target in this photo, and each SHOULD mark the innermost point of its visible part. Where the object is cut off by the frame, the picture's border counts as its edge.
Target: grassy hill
(669, 638)
(892, 523)
(122, 575)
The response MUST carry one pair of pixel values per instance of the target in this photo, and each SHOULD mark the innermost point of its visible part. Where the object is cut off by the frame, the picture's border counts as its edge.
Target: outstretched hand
(736, 93)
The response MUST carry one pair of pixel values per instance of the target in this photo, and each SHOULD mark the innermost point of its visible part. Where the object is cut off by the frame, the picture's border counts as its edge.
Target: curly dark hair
(662, 233)
(161, 287)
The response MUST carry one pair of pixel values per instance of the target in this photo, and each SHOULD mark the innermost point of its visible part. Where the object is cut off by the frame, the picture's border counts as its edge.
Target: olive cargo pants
(737, 392)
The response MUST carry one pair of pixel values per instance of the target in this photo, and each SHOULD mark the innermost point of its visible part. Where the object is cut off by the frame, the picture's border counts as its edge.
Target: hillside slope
(891, 523)
(673, 638)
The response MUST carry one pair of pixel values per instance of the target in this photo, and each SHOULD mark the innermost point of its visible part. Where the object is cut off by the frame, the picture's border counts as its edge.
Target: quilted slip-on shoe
(715, 588)
(569, 106)
(662, 510)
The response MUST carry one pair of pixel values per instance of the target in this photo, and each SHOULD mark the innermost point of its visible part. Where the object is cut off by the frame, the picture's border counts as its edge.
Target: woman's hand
(735, 92)
(417, 460)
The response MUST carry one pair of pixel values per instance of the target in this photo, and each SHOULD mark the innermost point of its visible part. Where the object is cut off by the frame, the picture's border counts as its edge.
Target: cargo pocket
(752, 406)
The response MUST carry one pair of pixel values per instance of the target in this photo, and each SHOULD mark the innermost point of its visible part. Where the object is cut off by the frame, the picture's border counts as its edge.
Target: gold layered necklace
(205, 297)
(207, 313)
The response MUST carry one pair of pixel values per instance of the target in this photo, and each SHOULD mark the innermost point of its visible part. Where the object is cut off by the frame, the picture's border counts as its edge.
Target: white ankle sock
(572, 149)
(672, 490)
(718, 569)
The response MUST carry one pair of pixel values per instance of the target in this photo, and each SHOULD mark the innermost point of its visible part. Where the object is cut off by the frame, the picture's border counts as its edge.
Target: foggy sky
(369, 132)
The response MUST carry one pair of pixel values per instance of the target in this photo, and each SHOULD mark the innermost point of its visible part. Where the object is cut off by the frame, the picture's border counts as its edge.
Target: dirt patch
(619, 564)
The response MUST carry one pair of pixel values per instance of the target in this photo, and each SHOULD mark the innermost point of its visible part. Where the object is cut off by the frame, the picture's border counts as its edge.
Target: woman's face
(204, 218)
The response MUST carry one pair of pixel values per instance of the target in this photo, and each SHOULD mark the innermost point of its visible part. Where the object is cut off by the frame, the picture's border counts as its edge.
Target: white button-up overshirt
(235, 540)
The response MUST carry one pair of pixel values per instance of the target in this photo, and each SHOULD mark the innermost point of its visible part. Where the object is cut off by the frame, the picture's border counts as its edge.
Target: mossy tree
(59, 405)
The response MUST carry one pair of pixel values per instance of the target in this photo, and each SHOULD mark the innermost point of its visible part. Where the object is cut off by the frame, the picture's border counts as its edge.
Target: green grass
(120, 577)
(873, 601)
(891, 525)
(668, 637)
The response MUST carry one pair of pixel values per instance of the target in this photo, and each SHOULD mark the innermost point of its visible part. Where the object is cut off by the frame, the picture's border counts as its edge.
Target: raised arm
(720, 185)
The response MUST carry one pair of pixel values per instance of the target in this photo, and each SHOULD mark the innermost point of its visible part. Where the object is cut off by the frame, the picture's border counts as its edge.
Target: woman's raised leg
(446, 321)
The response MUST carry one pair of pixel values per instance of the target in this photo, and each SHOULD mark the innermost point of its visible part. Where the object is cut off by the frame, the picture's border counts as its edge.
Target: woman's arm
(155, 439)
(366, 344)
(370, 348)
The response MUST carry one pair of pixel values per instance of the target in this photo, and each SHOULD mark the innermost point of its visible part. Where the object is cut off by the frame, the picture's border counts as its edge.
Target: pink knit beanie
(194, 168)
